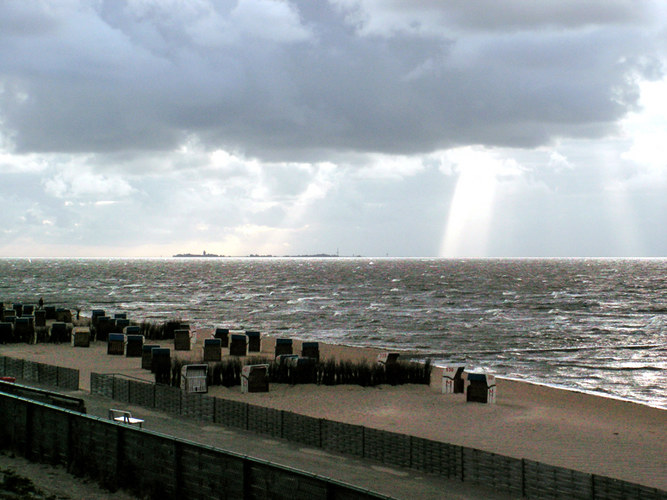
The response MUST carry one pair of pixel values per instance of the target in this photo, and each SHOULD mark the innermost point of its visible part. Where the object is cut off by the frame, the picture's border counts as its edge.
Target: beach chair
(124, 417)
(116, 344)
(300, 370)
(212, 349)
(103, 327)
(24, 329)
(223, 335)
(121, 323)
(182, 339)
(97, 313)
(283, 346)
(311, 350)
(254, 341)
(63, 315)
(193, 378)
(387, 358)
(9, 315)
(452, 379)
(132, 330)
(80, 336)
(480, 387)
(40, 318)
(255, 378)
(161, 364)
(238, 345)
(147, 355)
(6, 333)
(59, 332)
(134, 346)
(50, 312)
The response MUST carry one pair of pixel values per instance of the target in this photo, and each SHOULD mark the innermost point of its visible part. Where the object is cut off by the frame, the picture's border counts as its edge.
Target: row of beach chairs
(31, 324)
(478, 387)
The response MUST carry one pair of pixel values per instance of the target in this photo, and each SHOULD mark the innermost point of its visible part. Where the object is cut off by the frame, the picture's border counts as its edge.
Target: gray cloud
(251, 126)
(432, 17)
(293, 81)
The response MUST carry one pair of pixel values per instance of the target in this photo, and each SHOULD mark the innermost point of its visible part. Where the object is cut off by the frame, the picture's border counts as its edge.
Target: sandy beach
(580, 431)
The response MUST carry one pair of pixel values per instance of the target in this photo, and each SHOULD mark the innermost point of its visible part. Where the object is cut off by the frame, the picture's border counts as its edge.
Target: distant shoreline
(252, 255)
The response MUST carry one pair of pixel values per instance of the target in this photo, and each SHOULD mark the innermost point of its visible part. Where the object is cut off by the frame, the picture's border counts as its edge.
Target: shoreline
(554, 425)
(604, 395)
(416, 356)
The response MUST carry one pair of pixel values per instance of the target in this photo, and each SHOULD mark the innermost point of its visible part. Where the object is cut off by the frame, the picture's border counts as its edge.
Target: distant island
(254, 255)
(203, 254)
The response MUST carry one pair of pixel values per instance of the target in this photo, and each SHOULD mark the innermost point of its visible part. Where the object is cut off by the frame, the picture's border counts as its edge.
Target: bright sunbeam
(646, 129)
(471, 210)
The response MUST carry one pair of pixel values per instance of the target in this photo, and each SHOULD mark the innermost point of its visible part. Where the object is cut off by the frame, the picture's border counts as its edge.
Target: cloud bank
(267, 125)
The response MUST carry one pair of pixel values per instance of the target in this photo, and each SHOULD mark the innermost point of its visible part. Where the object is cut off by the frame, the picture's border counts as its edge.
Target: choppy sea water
(596, 325)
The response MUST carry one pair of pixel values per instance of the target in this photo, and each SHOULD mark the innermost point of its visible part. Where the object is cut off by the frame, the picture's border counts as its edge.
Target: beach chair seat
(147, 355)
(283, 346)
(255, 378)
(254, 341)
(134, 345)
(212, 349)
(194, 378)
(124, 417)
(452, 379)
(40, 318)
(310, 350)
(182, 339)
(387, 358)
(116, 344)
(223, 335)
(238, 345)
(480, 387)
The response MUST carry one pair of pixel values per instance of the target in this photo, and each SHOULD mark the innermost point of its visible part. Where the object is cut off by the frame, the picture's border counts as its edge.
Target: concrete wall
(506, 474)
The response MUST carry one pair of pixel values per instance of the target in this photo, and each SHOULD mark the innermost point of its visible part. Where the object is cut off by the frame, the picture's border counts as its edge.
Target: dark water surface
(590, 324)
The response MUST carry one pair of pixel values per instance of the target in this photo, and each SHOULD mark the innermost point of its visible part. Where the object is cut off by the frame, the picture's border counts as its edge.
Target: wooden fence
(149, 464)
(515, 476)
(31, 371)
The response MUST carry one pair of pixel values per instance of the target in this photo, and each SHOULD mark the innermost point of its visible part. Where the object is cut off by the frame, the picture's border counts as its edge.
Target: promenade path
(393, 482)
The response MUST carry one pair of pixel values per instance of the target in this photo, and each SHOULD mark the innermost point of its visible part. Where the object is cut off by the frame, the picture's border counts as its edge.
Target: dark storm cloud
(284, 81)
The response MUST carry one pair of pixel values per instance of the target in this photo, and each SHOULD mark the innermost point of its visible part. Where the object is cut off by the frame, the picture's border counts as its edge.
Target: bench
(124, 417)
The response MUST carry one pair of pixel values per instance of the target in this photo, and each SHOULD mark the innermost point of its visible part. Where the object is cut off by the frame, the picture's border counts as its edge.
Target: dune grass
(227, 372)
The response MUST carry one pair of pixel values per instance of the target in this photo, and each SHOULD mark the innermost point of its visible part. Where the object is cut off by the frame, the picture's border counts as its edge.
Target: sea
(592, 325)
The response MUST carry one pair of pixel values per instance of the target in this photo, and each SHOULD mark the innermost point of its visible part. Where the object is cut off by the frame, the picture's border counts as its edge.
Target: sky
(426, 128)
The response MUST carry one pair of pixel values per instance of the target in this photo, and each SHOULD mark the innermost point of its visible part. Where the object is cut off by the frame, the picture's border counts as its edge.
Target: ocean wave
(608, 368)
(566, 348)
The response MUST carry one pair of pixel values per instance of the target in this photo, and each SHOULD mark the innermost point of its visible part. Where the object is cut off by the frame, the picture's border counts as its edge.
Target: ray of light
(471, 209)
